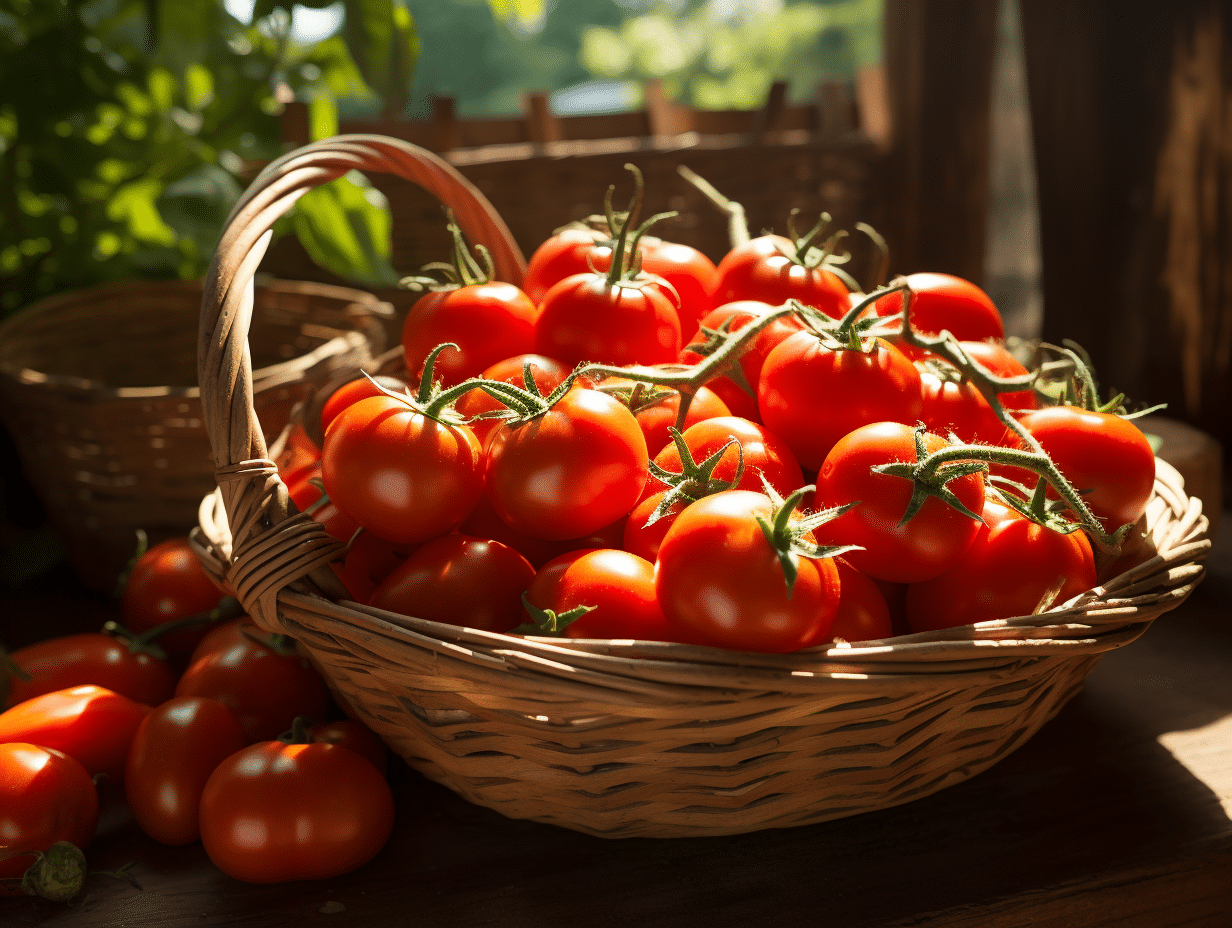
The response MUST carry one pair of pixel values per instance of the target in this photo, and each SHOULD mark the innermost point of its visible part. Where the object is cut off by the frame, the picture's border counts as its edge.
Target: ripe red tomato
(90, 657)
(587, 318)
(572, 250)
(91, 724)
(931, 542)
(811, 395)
(368, 561)
(547, 373)
(942, 302)
(721, 583)
(173, 752)
(642, 539)
(741, 313)
(303, 490)
(764, 454)
(483, 522)
(361, 388)
(1105, 457)
(1012, 564)
(45, 796)
(265, 689)
(400, 473)
(460, 580)
(354, 736)
(277, 812)
(656, 408)
(619, 585)
(951, 405)
(168, 583)
(570, 471)
(863, 614)
(487, 322)
(766, 269)
(997, 359)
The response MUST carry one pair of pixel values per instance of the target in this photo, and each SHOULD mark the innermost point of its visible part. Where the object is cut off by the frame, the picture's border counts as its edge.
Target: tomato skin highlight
(1009, 567)
(276, 812)
(762, 269)
(459, 580)
(943, 302)
(929, 543)
(168, 583)
(765, 453)
(487, 322)
(720, 583)
(619, 585)
(90, 657)
(569, 472)
(89, 723)
(173, 752)
(811, 396)
(399, 473)
(1100, 453)
(266, 690)
(45, 796)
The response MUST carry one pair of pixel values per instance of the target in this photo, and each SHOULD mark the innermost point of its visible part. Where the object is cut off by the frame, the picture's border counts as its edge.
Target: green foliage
(128, 129)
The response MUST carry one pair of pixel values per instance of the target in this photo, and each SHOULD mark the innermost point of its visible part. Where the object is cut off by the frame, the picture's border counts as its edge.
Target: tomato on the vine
(773, 269)
(764, 453)
(173, 752)
(400, 472)
(943, 302)
(618, 586)
(721, 582)
(1011, 568)
(276, 812)
(361, 388)
(459, 580)
(569, 471)
(45, 796)
(656, 408)
(547, 373)
(929, 543)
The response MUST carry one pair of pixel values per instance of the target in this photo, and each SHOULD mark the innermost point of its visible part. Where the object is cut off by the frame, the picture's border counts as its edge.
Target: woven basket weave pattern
(620, 738)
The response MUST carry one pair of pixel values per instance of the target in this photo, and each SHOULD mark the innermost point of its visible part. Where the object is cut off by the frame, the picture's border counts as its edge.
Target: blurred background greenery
(128, 128)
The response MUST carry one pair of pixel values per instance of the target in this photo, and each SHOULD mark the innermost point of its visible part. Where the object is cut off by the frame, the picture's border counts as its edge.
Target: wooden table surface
(1117, 814)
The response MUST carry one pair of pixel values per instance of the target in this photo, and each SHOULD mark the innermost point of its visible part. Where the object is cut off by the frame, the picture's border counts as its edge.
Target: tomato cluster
(193, 742)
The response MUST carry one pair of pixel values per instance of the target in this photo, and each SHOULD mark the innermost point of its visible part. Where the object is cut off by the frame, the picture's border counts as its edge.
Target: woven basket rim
(366, 304)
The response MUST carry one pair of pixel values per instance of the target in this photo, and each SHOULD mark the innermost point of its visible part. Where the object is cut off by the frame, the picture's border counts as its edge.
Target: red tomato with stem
(811, 395)
(954, 405)
(1105, 457)
(45, 796)
(720, 582)
(399, 472)
(90, 657)
(572, 250)
(547, 373)
(618, 585)
(935, 537)
(173, 752)
(1012, 566)
(89, 723)
(459, 580)
(943, 302)
(764, 454)
(588, 317)
(487, 321)
(644, 539)
(168, 583)
(265, 689)
(571, 470)
(770, 269)
(276, 812)
(997, 359)
(656, 408)
(361, 388)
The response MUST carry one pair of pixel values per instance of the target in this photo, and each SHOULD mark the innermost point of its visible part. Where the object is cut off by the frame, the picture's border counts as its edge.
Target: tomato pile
(194, 719)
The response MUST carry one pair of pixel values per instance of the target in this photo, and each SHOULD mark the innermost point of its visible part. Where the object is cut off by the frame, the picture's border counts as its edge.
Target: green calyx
(787, 535)
(1034, 504)
(147, 642)
(462, 271)
(548, 623)
(806, 254)
(929, 479)
(298, 733)
(695, 480)
(1080, 388)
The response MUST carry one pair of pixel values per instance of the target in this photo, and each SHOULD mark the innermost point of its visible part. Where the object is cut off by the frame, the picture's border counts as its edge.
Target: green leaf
(197, 205)
(133, 205)
(345, 227)
(382, 39)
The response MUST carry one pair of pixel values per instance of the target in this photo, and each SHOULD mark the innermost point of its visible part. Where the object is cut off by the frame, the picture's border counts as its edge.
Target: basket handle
(271, 545)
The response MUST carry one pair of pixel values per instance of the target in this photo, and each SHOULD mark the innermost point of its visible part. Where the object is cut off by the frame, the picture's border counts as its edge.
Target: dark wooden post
(1132, 142)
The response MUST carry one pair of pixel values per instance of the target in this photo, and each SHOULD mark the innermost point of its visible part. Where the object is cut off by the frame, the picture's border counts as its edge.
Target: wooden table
(1116, 814)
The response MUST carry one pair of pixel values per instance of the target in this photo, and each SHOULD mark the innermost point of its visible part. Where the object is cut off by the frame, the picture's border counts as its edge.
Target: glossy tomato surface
(765, 453)
(720, 582)
(275, 812)
(943, 302)
(547, 373)
(657, 408)
(173, 752)
(168, 583)
(45, 796)
(764, 269)
(90, 657)
(586, 318)
(620, 587)
(403, 475)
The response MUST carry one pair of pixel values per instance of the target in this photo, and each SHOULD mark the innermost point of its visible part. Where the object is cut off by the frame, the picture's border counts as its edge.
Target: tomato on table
(168, 583)
(173, 752)
(276, 812)
(45, 796)
(90, 657)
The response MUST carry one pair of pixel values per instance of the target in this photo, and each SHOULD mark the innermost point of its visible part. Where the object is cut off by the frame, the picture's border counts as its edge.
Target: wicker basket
(621, 738)
(97, 387)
